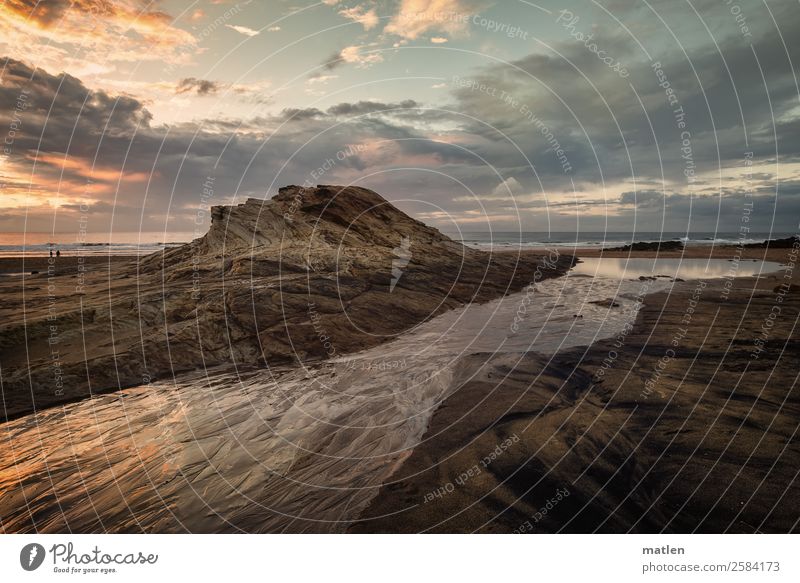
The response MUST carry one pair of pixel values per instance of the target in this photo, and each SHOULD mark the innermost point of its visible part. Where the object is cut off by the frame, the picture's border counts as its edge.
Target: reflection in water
(280, 451)
(635, 267)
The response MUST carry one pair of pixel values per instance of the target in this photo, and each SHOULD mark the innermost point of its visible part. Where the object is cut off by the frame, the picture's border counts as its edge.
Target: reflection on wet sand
(636, 267)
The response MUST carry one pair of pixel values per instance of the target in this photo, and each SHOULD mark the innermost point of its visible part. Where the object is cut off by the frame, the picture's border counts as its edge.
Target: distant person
(51, 252)
(58, 252)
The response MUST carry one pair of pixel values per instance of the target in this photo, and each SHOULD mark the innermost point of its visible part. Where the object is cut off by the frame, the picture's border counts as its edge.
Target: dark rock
(307, 273)
(607, 303)
(791, 288)
(786, 243)
(652, 246)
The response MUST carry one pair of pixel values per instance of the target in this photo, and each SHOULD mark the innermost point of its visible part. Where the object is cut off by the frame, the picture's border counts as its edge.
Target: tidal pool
(676, 268)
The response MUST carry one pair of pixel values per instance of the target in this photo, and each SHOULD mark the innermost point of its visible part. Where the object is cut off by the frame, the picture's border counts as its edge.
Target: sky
(471, 115)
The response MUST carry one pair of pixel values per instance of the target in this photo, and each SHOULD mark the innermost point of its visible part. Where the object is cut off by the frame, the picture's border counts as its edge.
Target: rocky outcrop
(785, 243)
(310, 274)
(652, 246)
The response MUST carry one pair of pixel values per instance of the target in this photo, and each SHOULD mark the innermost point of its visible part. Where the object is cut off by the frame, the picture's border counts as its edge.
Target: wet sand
(686, 423)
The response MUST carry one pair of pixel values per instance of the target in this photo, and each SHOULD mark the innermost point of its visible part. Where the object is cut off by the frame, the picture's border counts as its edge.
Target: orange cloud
(54, 180)
(45, 14)
(416, 18)
(114, 31)
(91, 174)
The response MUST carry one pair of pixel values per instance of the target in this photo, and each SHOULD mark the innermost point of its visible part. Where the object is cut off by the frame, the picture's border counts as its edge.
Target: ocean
(500, 239)
(36, 244)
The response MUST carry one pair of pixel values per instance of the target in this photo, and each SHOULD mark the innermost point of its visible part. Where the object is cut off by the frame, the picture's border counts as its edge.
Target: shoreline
(624, 432)
(64, 264)
(9, 265)
(692, 252)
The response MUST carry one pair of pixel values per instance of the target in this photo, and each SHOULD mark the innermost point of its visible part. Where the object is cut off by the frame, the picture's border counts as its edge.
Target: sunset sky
(671, 115)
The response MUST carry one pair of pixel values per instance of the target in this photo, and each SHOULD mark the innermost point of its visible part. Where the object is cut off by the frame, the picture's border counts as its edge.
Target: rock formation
(651, 246)
(310, 274)
(785, 243)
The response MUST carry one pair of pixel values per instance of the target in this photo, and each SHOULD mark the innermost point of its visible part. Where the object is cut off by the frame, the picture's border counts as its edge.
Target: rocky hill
(310, 274)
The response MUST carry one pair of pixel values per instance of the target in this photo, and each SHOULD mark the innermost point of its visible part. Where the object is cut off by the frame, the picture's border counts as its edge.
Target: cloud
(609, 136)
(63, 125)
(724, 209)
(199, 86)
(366, 107)
(65, 30)
(416, 18)
(402, 110)
(321, 79)
(508, 187)
(357, 56)
(243, 30)
(85, 147)
(296, 114)
(332, 61)
(491, 144)
(368, 18)
(438, 40)
(273, 29)
(47, 14)
(350, 55)
(644, 198)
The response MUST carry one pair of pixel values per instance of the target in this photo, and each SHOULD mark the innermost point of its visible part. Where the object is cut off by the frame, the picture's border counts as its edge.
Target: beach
(65, 265)
(686, 422)
(554, 432)
(71, 264)
(401, 267)
(397, 381)
(727, 252)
